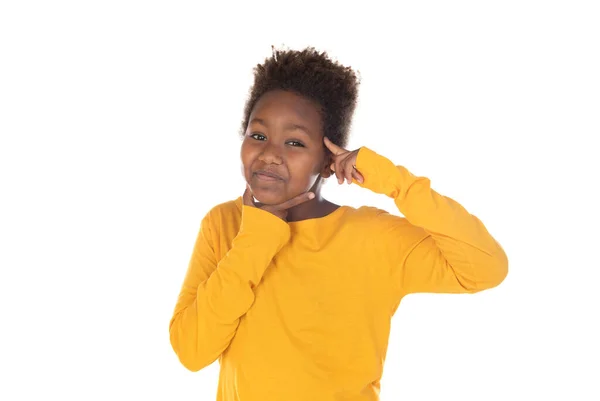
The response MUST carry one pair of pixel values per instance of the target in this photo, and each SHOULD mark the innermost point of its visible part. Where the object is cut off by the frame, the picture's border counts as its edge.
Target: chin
(267, 197)
(268, 193)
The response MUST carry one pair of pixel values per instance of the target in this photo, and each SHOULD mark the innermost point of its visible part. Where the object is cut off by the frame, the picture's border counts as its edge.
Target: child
(294, 294)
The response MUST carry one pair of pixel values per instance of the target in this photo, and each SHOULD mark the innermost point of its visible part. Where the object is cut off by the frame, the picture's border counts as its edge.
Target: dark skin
(285, 158)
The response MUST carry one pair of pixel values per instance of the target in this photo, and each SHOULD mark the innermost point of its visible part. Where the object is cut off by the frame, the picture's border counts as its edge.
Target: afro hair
(313, 75)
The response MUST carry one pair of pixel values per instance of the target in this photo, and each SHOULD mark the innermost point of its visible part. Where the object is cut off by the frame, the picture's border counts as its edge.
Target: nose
(271, 154)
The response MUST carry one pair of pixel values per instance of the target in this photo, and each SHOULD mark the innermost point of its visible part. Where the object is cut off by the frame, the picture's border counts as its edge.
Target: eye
(258, 136)
(296, 144)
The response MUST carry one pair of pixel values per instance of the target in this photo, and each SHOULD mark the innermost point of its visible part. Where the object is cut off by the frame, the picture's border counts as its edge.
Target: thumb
(247, 197)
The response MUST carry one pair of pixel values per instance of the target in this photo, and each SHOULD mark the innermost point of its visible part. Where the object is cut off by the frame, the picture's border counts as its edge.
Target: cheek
(305, 172)
(246, 156)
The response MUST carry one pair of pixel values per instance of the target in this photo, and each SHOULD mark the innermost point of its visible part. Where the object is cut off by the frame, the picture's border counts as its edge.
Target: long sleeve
(215, 294)
(439, 247)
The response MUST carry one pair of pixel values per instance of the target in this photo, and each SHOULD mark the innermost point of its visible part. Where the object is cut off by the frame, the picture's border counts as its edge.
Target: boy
(294, 294)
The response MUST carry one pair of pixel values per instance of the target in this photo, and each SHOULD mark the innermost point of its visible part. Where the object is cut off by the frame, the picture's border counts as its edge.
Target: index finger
(336, 150)
(296, 200)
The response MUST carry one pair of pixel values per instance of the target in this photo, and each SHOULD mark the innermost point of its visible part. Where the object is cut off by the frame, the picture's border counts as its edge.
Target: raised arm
(440, 247)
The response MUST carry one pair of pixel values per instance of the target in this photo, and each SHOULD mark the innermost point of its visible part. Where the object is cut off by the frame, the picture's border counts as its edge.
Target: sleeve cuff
(380, 173)
(257, 221)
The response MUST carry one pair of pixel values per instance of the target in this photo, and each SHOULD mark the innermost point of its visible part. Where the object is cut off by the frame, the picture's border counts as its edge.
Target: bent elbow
(495, 272)
(190, 357)
(193, 355)
(190, 363)
(501, 267)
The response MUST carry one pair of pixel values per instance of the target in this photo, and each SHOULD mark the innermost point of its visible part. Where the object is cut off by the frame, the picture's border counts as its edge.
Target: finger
(358, 176)
(348, 169)
(247, 197)
(296, 200)
(338, 172)
(345, 168)
(336, 150)
(349, 166)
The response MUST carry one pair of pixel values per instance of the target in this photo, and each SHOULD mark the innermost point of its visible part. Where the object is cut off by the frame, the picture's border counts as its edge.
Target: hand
(280, 210)
(344, 163)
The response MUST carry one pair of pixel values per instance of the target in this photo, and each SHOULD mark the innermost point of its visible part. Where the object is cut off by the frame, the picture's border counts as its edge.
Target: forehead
(283, 106)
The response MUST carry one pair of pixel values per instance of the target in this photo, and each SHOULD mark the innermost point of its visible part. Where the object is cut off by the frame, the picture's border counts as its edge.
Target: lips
(267, 175)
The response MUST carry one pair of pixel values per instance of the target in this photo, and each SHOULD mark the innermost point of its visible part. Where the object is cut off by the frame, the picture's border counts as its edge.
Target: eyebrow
(259, 121)
(288, 127)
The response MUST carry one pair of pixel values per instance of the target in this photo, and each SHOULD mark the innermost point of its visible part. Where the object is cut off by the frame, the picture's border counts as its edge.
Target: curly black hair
(313, 75)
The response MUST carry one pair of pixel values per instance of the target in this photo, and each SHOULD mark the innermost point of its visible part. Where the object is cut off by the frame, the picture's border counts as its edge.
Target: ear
(326, 170)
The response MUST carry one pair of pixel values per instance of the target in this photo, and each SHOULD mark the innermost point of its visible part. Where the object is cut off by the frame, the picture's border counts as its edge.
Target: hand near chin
(280, 210)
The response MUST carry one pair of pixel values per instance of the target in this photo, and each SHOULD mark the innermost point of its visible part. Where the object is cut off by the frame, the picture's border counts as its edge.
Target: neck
(314, 208)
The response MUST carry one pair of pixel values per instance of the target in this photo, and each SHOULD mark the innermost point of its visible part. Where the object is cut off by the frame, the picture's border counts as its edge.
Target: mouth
(267, 176)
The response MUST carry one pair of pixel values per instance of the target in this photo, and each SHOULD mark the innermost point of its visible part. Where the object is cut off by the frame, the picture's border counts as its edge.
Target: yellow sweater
(301, 311)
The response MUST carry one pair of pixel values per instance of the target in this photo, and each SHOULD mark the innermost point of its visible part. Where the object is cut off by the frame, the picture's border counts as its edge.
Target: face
(283, 154)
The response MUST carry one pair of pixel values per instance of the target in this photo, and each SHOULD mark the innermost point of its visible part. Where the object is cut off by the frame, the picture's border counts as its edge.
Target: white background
(119, 130)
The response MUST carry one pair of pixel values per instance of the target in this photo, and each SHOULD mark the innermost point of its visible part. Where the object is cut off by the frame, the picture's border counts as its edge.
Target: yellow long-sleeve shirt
(301, 311)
